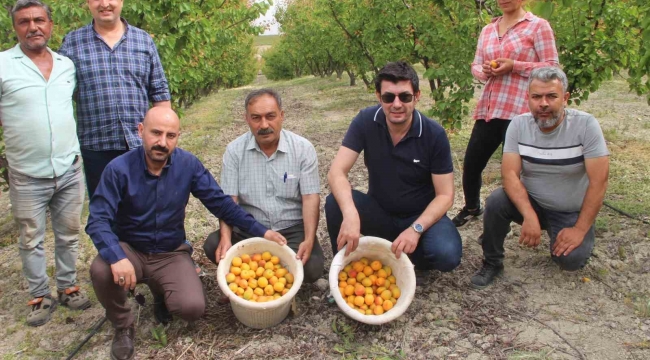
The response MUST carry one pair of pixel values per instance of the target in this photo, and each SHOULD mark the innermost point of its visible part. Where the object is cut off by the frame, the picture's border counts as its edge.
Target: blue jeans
(94, 164)
(30, 197)
(440, 247)
(500, 212)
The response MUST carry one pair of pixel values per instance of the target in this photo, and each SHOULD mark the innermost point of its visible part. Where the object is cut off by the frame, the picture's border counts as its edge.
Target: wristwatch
(418, 228)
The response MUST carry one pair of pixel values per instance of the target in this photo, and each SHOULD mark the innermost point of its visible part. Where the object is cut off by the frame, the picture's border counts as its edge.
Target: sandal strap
(35, 301)
(71, 290)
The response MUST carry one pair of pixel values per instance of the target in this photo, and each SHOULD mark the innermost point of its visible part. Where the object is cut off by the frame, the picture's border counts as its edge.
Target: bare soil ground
(535, 311)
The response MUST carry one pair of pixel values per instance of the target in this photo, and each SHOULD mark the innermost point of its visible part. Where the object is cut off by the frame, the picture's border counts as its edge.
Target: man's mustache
(36, 33)
(266, 131)
(159, 148)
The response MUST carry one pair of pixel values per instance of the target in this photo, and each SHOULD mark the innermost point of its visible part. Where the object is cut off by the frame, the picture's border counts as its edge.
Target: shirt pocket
(521, 47)
(287, 186)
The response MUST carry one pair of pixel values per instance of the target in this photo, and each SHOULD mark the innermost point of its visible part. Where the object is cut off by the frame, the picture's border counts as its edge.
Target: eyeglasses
(390, 97)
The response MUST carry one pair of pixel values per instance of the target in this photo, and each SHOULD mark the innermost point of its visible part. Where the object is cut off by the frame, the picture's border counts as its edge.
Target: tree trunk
(353, 78)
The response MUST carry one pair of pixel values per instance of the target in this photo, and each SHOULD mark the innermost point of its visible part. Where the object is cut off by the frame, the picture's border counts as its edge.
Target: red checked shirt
(531, 44)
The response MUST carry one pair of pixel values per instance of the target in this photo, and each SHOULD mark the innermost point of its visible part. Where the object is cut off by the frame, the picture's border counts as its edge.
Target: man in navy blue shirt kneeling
(136, 222)
(410, 179)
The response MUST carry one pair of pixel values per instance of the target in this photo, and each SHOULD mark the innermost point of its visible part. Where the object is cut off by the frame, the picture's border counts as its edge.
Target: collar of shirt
(528, 16)
(17, 53)
(142, 157)
(416, 124)
(126, 30)
(283, 145)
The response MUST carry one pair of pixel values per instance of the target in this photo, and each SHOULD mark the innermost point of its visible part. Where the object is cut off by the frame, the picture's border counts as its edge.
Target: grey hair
(549, 73)
(260, 92)
(24, 4)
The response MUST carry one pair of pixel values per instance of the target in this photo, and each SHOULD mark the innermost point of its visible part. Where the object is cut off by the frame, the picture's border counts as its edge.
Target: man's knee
(100, 271)
(210, 246)
(188, 308)
(576, 260)
(445, 258)
(496, 200)
(314, 269)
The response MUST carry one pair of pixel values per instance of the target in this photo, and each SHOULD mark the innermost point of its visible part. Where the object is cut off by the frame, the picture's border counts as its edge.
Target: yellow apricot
(281, 272)
(380, 281)
(360, 276)
(235, 270)
(289, 277)
(367, 270)
(392, 279)
(349, 290)
(378, 310)
(248, 294)
(273, 280)
(343, 276)
(284, 291)
(343, 284)
(350, 299)
(359, 300)
(288, 286)
(364, 261)
(230, 277)
(269, 266)
(380, 290)
(369, 312)
(266, 256)
(361, 311)
(252, 283)
(253, 265)
(275, 260)
(246, 274)
(382, 273)
(369, 299)
(262, 282)
(387, 305)
(396, 293)
(366, 282)
(268, 290)
(373, 278)
(278, 287)
(357, 266)
(233, 287)
(388, 270)
(386, 294)
(351, 281)
(240, 291)
(277, 266)
(259, 272)
(269, 274)
(283, 281)
(245, 266)
(347, 268)
(376, 265)
(276, 296)
(243, 284)
(236, 261)
(369, 291)
(245, 258)
(258, 291)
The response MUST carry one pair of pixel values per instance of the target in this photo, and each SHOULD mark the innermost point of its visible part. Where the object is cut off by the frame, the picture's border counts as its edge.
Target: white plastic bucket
(375, 248)
(266, 314)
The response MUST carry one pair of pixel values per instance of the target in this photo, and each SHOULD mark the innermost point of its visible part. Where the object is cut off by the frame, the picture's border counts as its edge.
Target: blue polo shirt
(399, 177)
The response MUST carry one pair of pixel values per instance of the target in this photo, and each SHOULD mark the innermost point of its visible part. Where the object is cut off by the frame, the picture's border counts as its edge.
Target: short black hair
(397, 71)
(24, 4)
(260, 92)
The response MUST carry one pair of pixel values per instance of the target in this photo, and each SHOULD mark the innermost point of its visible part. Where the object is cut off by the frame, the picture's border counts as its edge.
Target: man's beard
(549, 123)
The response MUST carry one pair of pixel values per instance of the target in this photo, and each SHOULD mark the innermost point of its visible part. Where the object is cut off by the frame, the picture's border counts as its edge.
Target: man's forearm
(225, 231)
(310, 215)
(518, 194)
(342, 191)
(591, 205)
(435, 210)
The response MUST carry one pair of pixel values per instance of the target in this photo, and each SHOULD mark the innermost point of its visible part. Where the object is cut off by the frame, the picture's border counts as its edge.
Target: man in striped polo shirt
(555, 167)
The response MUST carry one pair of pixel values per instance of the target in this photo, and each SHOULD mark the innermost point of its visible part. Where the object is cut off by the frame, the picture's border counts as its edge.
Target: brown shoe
(122, 347)
(42, 309)
(74, 299)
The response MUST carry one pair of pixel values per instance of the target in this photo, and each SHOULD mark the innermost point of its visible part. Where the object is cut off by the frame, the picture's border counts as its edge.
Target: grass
(266, 40)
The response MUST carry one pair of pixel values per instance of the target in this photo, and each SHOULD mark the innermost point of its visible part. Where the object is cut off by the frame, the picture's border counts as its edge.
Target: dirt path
(534, 312)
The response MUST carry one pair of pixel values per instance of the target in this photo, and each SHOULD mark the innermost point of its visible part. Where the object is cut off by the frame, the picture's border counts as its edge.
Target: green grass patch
(266, 40)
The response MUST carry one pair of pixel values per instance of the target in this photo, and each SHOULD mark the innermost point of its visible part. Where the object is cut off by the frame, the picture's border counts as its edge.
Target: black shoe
(160, 311)
(466, 215)
(122, 347)
(486, 275)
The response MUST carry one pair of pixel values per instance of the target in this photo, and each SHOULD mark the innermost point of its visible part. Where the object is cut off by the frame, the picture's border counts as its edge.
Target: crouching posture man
(555, 167)
(136, 222)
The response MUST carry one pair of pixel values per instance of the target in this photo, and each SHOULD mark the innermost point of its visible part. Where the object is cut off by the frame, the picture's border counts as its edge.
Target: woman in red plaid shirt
(509, 48)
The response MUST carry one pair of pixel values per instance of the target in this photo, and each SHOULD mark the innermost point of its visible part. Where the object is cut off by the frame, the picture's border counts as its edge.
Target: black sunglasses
(390, 97)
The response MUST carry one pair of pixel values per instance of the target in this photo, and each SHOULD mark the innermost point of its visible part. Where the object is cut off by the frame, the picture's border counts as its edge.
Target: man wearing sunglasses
(410, 179)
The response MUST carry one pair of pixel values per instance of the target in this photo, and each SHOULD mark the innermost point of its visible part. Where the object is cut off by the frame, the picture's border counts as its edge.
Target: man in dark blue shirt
(136, 222)
(410, 178)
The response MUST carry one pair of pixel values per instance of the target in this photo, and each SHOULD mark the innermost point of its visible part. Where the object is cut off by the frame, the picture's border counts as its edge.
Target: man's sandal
(74, 299)
(42, 309)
